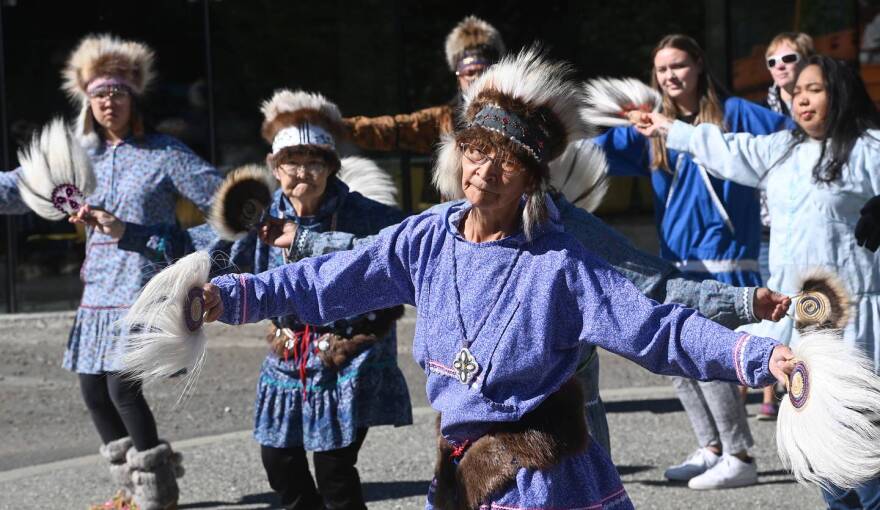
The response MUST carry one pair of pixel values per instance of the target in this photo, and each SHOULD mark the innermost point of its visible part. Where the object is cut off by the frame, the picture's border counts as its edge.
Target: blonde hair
(711, 109)
(801, 42)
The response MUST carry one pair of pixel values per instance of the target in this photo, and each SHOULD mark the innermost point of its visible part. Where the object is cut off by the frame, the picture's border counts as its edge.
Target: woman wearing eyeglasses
(785, 57)
(817, 176)
(709, 228)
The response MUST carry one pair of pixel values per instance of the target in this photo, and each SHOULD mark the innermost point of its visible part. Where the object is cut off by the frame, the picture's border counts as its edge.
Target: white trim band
(304, 134)
(717, 266)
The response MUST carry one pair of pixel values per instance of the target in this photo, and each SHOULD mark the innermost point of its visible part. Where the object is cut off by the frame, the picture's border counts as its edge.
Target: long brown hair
(711, 109)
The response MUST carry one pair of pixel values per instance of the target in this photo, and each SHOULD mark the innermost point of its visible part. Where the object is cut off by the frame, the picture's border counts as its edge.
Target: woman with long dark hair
(817, 177)
(707, 228)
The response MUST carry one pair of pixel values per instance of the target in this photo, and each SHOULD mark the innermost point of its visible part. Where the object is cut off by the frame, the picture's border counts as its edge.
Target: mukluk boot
(154, 474)
(114, 453)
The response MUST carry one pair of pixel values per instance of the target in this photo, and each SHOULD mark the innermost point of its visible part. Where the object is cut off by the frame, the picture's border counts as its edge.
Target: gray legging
(717, 414)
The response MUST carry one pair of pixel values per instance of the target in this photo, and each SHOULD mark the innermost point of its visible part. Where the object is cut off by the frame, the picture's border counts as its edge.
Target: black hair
(850, 113)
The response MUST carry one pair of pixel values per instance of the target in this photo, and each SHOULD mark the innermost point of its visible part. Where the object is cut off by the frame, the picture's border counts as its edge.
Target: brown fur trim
(539, 116)
(107, 55)
(828, 284)
(284, 119)
(472, 32)
(240, 201)
(539, 441)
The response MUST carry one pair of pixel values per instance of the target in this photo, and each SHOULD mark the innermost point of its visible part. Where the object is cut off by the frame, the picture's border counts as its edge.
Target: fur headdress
(473, 37)
(106, 56)
(533, 105)
(299, 118)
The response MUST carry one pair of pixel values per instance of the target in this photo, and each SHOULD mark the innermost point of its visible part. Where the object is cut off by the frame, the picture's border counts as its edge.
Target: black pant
(118, 408)
(338, 480)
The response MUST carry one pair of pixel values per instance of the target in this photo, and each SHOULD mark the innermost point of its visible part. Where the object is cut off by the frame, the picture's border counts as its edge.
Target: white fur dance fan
(581, 174)
(608, 100)
(827, 431)
(163, 328)
(367, 178)
(56, 174)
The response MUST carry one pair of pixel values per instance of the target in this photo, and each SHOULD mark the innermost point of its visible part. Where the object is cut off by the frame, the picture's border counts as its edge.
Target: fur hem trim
(471, 32)
(539, 441)
(115, 451)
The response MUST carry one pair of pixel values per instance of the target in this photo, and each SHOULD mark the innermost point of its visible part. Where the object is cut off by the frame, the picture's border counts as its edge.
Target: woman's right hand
(651, 124)
(100, 220)
(213, 303)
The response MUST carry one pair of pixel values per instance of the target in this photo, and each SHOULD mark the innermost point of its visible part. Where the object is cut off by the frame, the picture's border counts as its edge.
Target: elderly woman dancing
(506, 301)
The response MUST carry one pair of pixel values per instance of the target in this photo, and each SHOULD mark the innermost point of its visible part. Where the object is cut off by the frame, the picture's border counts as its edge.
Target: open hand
(213, 303)
(781, 363)
(278, 233)
(650, 124)
(769, 305)
(100, 220)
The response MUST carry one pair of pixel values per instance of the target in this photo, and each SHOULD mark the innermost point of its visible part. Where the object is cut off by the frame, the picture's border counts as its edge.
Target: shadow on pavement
(631, 470)
(657, 405)
(267, 498)
(378, 491)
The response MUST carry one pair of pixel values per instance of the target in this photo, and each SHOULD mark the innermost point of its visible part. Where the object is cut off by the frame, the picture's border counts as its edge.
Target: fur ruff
(245, 188)
(367, 178)
(54, 158)
(345, 345)
(471, 32)
(828, 284)
(290, 108)
(103, 55)
(539, 441)
(607, 100)
(159, 343)
(581, 175)
(834, 438)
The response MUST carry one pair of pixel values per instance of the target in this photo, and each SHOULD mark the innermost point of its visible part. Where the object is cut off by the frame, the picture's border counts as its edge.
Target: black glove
(868, 227)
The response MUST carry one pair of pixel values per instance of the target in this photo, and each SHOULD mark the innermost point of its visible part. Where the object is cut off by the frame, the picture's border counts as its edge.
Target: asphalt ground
(48, 446)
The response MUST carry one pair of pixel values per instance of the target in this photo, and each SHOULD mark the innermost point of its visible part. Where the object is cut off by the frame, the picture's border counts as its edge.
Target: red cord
(459, 450)
(304, 353)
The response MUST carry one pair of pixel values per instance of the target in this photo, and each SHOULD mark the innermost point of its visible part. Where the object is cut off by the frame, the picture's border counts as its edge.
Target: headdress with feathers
(101, 56)
(530, 102)
(473, 37)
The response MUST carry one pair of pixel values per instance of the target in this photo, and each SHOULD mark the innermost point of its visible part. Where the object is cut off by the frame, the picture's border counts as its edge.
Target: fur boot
(154, 475)
(114, 452)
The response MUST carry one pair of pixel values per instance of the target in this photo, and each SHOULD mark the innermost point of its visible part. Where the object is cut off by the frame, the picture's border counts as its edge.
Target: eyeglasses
(313, 168)
(508, 166)
(788, 58)
(471, 73)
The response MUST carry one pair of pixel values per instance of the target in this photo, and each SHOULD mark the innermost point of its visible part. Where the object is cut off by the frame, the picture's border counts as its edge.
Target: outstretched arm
(10, 200)
(668, 339)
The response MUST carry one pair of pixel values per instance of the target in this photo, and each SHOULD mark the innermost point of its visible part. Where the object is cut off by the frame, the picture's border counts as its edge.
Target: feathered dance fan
(241, 200)
(823, 302)
(368, 179)
(609, 100)
(56, 172)
(581, 174)
(827, 431)
(163, 328)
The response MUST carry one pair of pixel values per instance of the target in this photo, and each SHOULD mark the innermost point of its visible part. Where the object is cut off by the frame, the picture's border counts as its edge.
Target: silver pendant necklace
(465, 364)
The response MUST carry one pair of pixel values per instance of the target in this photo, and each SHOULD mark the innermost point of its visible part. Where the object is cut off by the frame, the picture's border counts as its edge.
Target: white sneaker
(728, 473)
(697, 464)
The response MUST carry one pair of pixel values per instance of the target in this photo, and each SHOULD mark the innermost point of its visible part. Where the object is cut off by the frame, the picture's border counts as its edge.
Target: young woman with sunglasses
(817, 177)
(709, 228)
(785, 57)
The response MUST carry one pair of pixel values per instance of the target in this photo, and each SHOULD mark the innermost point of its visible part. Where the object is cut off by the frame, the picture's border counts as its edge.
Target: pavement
(48, 452)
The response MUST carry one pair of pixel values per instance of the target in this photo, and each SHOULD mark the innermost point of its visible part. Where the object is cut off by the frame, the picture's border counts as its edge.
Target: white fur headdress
(472, 33)
(106, 55)
(367, 178)
(292, 118)
(581, 174)
(532, 103)
(56, 174)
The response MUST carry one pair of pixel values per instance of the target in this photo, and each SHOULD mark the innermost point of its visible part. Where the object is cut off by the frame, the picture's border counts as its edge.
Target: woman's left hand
(278, 233)
(769, 305)
(781, 363)
(651, 124)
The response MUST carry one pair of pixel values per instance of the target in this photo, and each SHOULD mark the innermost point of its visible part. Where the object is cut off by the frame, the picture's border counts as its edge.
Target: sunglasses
(788, 58)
